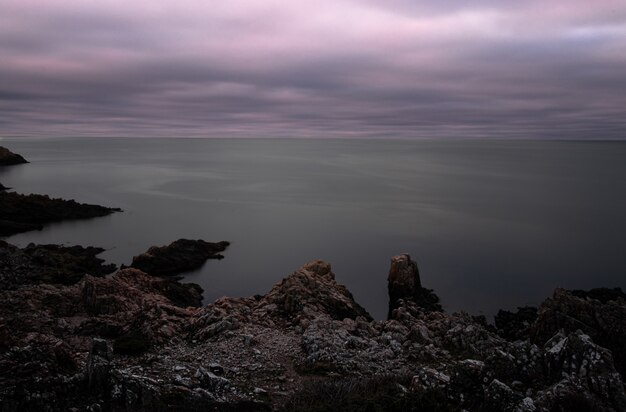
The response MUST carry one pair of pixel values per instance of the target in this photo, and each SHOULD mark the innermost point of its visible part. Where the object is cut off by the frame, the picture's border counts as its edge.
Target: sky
(324, 68)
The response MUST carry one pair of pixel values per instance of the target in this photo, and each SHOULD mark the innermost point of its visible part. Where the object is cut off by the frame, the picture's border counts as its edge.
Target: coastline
(124, 342)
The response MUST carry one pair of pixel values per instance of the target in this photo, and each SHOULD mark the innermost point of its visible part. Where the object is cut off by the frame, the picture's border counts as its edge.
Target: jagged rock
(604, 322)
(306, 329)
(21, 213)
(211, 381)
(310, 291)
(404, 283)
(99, 366)
(515, 325)
(499, 397)
(49, 264)
(584, 374)
(8, 158)
(179, 256)
(604, 295)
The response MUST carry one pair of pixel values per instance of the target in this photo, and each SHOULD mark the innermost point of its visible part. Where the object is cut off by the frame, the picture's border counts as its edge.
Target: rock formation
(21, 213)
(179, 256)
(404, 283)
(50, 264)
(8, 158)
(515, 325)
(122, 343)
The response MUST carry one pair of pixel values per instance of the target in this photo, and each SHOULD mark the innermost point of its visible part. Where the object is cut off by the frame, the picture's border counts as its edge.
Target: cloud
(323, 69)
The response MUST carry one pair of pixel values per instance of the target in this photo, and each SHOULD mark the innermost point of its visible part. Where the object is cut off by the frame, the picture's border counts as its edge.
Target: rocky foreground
(122, 343)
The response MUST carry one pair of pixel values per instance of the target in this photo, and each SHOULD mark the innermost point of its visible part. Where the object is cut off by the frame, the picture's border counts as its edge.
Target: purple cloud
(326, 69)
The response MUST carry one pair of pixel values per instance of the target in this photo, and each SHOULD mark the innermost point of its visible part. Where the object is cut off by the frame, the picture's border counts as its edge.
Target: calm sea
(492, 224)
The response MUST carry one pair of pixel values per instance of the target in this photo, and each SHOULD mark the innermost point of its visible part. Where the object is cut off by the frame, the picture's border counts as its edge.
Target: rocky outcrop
(21, 213)
(2, 187)
(179, 256)
(515, 325)
(51, 264)
(404, 283)
(8, 158)
(120, 343)
(310, 292)
(603, 320)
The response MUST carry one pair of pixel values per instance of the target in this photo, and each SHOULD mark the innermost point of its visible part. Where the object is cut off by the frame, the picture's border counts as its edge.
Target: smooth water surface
(491, 223)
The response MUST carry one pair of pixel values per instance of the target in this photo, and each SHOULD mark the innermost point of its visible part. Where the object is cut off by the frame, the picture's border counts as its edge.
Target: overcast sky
(326, 68)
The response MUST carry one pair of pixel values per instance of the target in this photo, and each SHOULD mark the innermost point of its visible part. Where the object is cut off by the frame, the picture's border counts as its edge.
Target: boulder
(179, 256)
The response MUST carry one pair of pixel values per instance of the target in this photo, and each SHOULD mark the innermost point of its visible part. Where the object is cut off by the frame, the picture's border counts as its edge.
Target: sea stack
(404, 284)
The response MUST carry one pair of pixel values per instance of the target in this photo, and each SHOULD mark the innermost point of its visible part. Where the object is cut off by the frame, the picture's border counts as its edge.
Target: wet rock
(404, 283)
(177, 257)
(8, 158)
(22, 213)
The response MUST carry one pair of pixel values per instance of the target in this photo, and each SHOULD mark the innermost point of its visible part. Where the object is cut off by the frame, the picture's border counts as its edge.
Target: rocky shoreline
(74, 339)
(23, 213)
(122, 343)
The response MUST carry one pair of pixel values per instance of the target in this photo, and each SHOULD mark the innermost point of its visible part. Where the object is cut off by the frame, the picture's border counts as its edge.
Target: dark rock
(2, 187)
(36, 264)
(181, 294)
(499, 397)
(8, 227)
(313, 290)
(605, 322)
(22, 213)
(98, 366)
(133, 343)
(8, 158)
(604, 295)
(306, 344)
(580, 366)
(180, 256)
(515, 325)
(404, 283)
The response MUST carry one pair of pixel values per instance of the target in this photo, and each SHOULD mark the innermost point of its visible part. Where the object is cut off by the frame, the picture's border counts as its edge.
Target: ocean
(491, 224)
